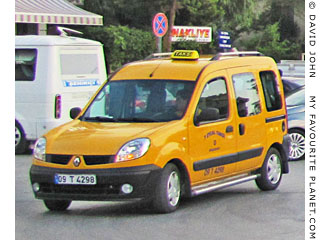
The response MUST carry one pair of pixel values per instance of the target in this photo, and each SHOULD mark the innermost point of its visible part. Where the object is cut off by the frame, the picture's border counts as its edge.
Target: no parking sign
(160, 24)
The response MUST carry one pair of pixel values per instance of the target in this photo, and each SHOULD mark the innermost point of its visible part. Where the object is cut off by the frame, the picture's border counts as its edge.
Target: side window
(247, 96)
(25, 66)
(99, 105)
(271, 90)
(213, 104)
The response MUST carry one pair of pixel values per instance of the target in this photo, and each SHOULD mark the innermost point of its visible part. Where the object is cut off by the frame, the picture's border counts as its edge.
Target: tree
(276, 32)
(137, 14)
(232, 16)
(244, 19)
(269, 43)
(122, 44)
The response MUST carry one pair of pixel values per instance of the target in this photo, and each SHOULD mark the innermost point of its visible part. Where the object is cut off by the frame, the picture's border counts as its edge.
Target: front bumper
(108, 187)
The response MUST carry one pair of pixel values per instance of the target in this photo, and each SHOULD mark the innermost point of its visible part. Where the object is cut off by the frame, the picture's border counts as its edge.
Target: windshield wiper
(100, 119)
(134, 119)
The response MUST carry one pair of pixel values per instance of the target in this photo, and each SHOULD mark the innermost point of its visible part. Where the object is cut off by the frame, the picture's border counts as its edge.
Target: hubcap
(274, 169)
(17, 136)
(297, 146)
(173, 189)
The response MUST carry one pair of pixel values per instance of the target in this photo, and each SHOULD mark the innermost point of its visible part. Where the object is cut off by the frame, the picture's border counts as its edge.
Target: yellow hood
(88, 138)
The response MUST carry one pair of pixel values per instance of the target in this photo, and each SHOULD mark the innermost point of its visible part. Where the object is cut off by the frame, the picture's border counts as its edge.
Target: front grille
(58, 159)
(95, 160)
(89, 159)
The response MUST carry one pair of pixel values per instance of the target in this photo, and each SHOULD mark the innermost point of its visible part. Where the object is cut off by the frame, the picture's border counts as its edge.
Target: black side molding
(277, 118)
(227, 159)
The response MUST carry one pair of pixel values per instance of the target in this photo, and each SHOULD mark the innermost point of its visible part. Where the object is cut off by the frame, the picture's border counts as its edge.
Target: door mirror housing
(207, 115)
(74, 112)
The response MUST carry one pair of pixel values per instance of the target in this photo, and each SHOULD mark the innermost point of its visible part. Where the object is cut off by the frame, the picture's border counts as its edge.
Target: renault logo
(76, 162)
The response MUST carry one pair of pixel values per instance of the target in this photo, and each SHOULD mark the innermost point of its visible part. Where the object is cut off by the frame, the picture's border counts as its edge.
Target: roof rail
(227, 55)
(159, 55)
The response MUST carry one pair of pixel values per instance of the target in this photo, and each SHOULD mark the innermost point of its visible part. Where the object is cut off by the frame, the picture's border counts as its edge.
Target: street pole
(160, 28)
(159, 44)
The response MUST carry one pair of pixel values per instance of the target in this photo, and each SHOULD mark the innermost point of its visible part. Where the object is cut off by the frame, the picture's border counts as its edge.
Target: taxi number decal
(75, 179)
(214, 133)
(215, 170)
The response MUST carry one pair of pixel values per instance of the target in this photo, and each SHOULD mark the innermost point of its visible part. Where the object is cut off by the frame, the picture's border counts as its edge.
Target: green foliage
(200, 47)
(268, 42)
(133, 13)
(122, 44)
(268, 26)
(228, 15)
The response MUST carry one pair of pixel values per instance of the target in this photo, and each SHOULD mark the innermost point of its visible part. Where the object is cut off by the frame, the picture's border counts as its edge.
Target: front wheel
(57, 205)
(168, 191)
(297, 145)
(271, 171)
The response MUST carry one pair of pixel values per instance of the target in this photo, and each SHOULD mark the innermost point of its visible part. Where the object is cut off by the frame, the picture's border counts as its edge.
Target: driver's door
(212, 133)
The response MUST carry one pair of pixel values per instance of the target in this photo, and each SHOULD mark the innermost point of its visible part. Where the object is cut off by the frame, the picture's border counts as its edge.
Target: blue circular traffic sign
(160, 24)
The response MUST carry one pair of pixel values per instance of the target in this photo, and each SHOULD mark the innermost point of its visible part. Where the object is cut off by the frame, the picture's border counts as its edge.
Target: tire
(297, 145)
(20, 139)
(57, 205)
(168, 190)
(271, 171)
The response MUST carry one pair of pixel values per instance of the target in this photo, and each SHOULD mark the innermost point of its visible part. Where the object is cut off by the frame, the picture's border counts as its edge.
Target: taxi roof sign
(185, 54)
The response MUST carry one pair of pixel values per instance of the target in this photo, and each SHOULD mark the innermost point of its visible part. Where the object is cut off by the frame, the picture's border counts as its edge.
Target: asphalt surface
(241, 212)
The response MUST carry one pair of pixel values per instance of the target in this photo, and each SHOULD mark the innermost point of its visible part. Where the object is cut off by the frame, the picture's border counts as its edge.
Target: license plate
(75, 179)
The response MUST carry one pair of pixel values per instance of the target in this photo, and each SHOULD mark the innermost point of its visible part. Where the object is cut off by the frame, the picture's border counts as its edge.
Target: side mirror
(74, 112)
(207, 115)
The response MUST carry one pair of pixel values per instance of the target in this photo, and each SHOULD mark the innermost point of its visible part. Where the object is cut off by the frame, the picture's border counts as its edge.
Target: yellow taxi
(168, 128)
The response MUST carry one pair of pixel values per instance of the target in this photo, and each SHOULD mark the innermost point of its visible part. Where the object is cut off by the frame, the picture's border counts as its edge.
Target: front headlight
(133, 150)
(39, 151)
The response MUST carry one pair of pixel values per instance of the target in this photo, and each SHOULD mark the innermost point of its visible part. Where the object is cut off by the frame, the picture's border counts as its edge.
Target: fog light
(127, 188)
(36, 187)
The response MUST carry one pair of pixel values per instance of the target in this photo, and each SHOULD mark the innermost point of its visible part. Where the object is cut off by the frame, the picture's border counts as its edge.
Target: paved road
(241, 212)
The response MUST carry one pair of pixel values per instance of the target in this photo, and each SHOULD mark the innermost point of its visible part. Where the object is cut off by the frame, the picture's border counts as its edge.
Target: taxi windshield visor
(140, 101)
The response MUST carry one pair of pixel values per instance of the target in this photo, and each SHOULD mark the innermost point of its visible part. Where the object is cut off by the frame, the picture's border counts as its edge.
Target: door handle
(229, 129)
(242, 129)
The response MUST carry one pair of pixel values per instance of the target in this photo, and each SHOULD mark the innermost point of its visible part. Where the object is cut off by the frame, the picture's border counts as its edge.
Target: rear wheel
(20, 139)
(271, 171)
(57, 205)
(168, 191)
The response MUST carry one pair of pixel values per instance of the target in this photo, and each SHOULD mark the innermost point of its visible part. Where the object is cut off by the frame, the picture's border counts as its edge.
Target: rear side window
(271, 91)
(25, 64)
(247, 96)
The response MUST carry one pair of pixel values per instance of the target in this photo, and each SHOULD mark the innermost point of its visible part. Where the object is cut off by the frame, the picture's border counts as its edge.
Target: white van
(52, 75)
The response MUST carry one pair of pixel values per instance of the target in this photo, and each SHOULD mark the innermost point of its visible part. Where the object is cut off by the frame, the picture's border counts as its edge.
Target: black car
(291, 84)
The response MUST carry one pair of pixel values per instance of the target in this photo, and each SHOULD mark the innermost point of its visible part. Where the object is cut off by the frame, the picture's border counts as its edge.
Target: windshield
(140, 101)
